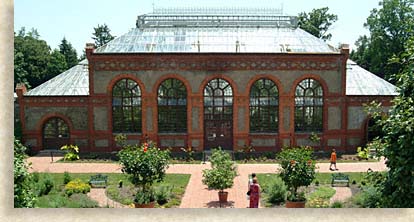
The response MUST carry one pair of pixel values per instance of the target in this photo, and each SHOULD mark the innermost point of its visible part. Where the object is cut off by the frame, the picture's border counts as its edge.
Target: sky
(75, 19)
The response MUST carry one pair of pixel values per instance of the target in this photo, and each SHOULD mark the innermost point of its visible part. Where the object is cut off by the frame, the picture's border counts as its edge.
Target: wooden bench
(98, 180)
(340, 178)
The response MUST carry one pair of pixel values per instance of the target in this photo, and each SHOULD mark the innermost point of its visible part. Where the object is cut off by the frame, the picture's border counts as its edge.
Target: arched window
(172, 107)
(126, 107)
(55, 133)
(218, 114)
(308, 106)
(264, 106)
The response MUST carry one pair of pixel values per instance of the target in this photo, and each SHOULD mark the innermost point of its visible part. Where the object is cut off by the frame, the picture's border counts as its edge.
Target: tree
(56, 65)
(23, 195)
(390, 27)
(398, 141)
(31, 58)
(69, 53)
(317, 22)
(102, 35)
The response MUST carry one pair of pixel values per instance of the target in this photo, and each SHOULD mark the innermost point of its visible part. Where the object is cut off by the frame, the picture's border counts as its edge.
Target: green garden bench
(98, 180)
(340, 178)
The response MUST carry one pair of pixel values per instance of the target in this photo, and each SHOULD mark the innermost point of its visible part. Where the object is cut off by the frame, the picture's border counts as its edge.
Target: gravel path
(196, 194)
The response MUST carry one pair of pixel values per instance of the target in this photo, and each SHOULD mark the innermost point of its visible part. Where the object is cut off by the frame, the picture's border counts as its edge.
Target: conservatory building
(203, 79)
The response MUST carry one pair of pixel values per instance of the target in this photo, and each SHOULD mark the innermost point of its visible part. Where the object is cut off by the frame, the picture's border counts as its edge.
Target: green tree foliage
(35, 63)
(317, 22)
(23, 195)
(56, 65)
(297, 169)
(390, 27)
(69, 53)
(31, 58)
(102, 35)
(399, 139)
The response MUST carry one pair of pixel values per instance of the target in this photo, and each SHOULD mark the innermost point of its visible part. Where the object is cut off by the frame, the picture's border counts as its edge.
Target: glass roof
(225, 40)
(216, 31)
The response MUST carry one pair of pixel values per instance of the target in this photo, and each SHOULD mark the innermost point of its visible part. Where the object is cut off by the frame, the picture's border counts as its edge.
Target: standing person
(251, 180)
(254, 194)
(333, 160)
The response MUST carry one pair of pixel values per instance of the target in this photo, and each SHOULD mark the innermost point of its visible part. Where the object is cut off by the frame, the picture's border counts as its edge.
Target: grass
(323, 178)
(321, 194)
(124, 195)
(57, 199)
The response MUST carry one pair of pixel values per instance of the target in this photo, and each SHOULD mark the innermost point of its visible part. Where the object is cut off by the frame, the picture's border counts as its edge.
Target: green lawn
(57, 199)
(178, 183)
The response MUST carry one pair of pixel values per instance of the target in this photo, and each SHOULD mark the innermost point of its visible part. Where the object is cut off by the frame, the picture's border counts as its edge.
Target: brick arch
(264, 76)
(124, 76)
(218, 76)
(310, 76)
(324, 94)
(155, 93)
(47, 117)
(171, 76)
(279, 87)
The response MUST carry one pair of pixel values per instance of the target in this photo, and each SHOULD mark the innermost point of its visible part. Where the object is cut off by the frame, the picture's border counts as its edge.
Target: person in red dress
(254, 194)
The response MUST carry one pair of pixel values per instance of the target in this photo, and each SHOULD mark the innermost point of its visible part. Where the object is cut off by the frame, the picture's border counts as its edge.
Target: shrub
(276, 191)
(48, 184)
(144, 196)
(362, 153)
(163, 194)
(369, 197)
(77, 186)
(223, 171)
(145, 165)
(66, 178)
(72, 152)
(297, 170)
(23, 195)
(189, 153)
(35, 177)
(317, 202)
(337, 204)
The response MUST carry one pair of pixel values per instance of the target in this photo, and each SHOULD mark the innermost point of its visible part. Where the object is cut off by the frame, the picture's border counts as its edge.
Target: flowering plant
(71, 152)
(297, 169)
(189, 153)
(145, 165)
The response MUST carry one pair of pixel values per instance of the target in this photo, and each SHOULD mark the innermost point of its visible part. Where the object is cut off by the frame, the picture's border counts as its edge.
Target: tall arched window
(308, 106)
(264, 106)
(55, 133)
(218, 114)
(126, 107)
(172, 107)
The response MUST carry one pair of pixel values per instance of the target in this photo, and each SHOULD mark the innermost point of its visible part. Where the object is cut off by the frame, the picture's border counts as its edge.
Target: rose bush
(145, 165)
(297, 170)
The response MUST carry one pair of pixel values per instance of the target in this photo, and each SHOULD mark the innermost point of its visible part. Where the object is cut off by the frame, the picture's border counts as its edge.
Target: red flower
(292, 162)
(145, 147)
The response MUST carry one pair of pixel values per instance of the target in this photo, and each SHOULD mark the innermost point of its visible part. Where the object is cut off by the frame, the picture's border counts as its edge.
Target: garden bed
(57, 198)
(318, 193)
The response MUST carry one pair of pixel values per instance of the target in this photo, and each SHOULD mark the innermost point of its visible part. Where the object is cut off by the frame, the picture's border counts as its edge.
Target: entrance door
(55, 134)
(218, 115)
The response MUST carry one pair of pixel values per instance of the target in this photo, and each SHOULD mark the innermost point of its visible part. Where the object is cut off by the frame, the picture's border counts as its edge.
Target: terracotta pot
(223, 196)
(291, 204)
(148, 205)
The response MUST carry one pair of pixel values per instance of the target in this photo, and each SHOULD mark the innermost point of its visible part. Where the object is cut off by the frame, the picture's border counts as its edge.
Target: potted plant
(145, 165)
(297, 170)
(221, 175)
